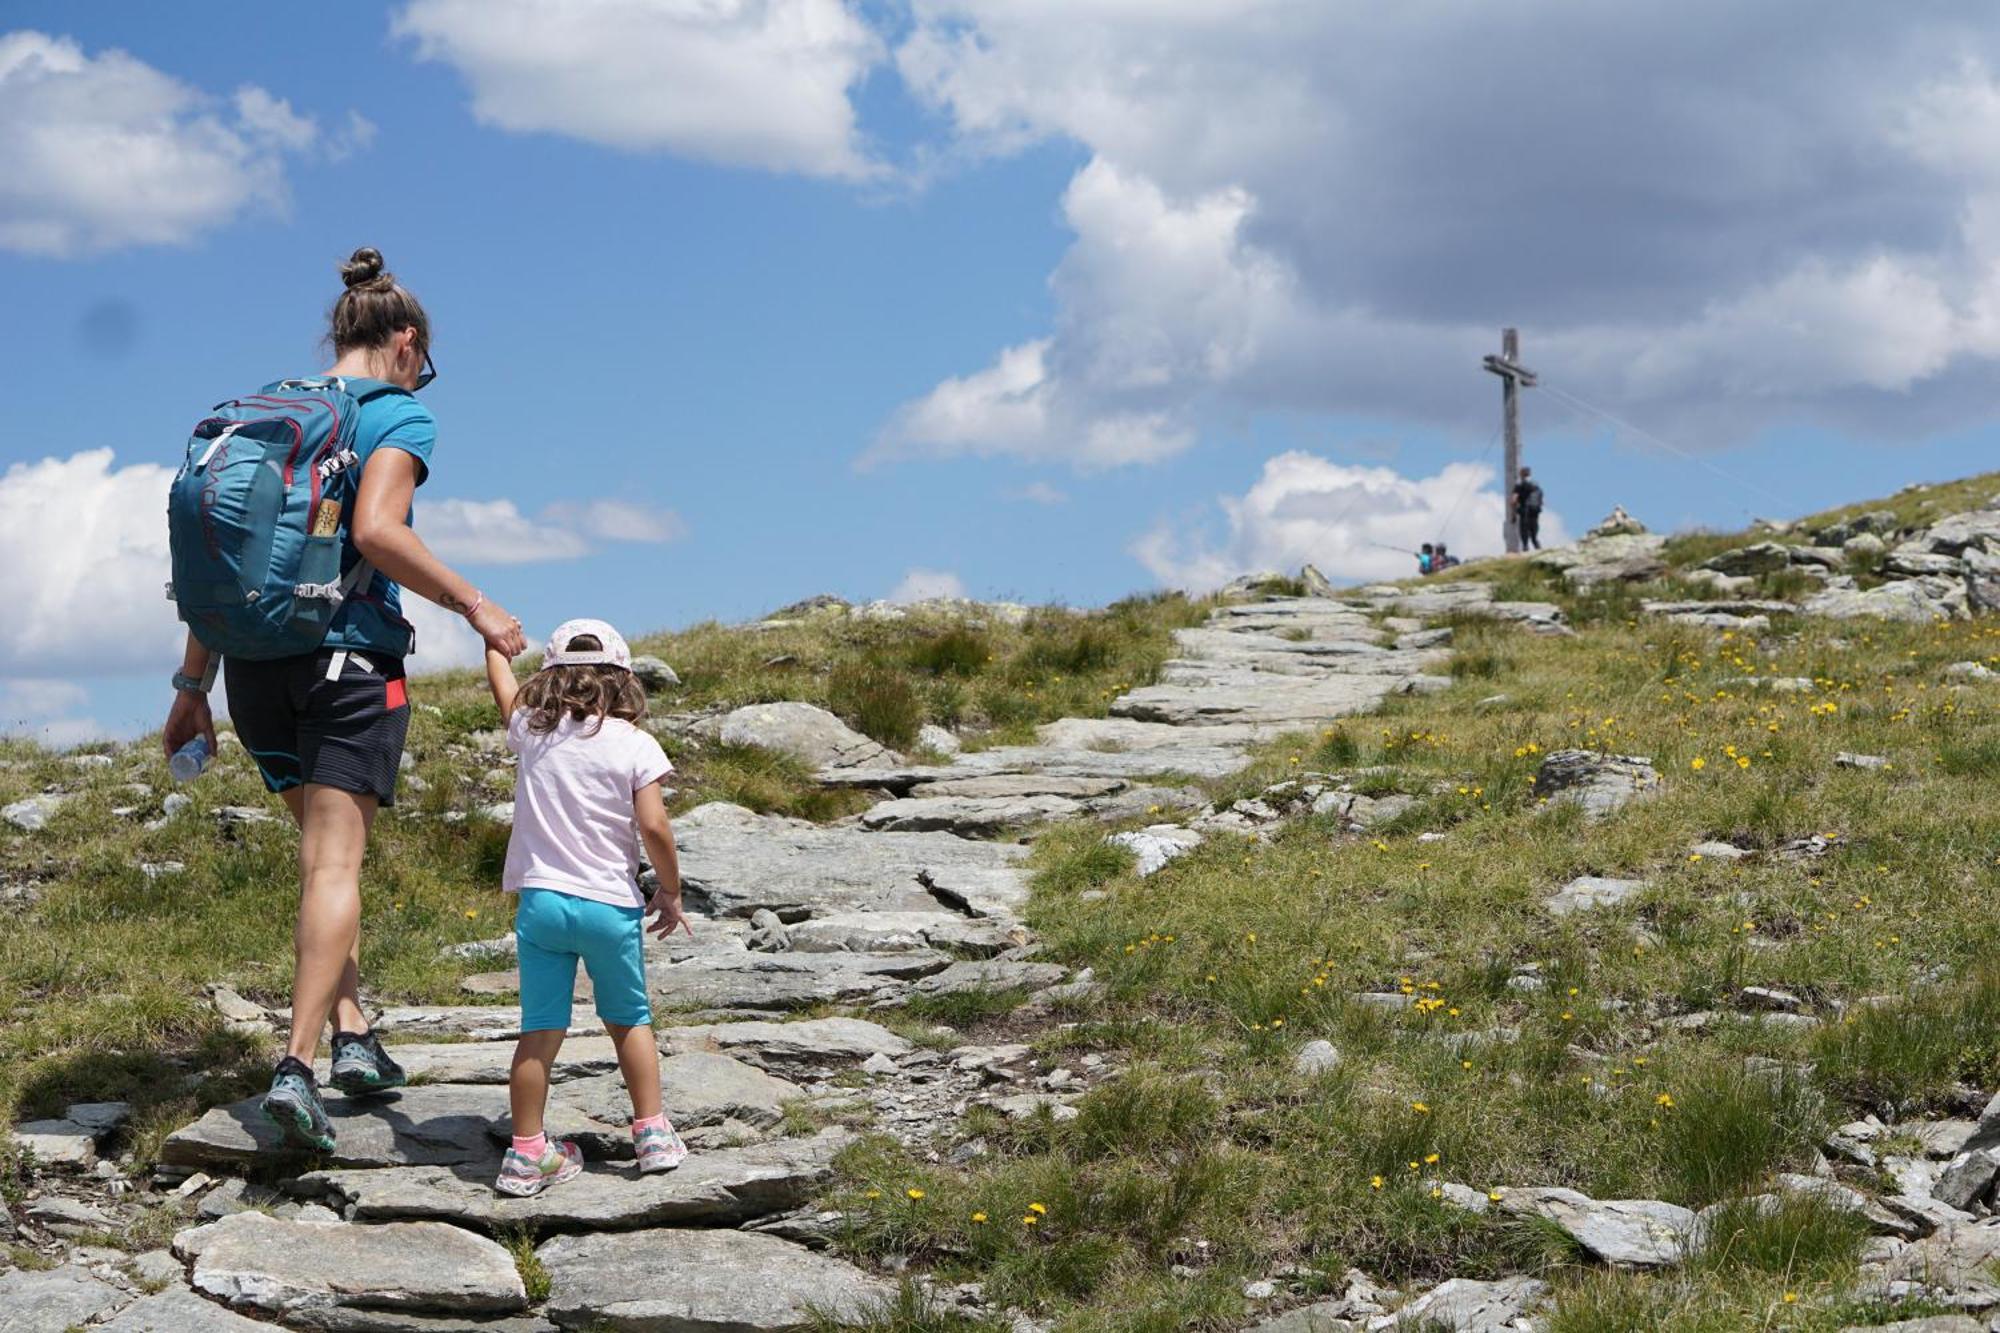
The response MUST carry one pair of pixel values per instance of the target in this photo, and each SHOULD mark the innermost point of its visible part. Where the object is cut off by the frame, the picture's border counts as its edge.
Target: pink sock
(650, 1122)
(534, 1149)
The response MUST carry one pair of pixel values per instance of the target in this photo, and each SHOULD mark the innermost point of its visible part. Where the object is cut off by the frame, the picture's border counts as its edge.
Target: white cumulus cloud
(103, 151)
(1778, 212)
(755, 83)
(496, 532)
(1354, 523)
(83, 567)
(922, 585)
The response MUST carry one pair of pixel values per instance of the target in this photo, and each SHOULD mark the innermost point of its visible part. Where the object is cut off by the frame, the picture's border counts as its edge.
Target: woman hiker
(326, 727)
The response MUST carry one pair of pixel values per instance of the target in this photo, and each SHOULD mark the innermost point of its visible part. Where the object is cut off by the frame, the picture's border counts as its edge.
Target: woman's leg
(333, 836)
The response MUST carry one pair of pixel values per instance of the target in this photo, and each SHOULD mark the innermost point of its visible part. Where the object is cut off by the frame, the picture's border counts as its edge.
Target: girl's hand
(498, 626)
(670, 915)
(189, 717)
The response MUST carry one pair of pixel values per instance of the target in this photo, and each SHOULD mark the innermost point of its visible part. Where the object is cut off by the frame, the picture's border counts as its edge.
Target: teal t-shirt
(371, 619)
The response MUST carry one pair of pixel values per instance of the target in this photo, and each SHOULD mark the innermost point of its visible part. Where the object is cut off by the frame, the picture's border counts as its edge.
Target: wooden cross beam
(1513, 377)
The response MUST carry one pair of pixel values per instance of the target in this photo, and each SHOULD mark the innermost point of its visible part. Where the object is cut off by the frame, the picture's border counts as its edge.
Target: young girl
(587, 775)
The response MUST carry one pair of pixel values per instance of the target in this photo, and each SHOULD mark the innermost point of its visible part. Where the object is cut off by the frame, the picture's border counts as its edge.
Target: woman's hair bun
(362, 267)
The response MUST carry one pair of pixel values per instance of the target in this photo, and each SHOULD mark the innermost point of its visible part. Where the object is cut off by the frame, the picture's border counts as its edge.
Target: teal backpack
(258, 515)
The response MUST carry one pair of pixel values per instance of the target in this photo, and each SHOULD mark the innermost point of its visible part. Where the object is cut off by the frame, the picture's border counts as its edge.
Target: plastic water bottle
(190, 761)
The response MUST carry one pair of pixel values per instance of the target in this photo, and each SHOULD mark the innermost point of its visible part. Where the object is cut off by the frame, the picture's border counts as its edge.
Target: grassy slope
(101, 981)
(1212, 1157)
(1213, 1154)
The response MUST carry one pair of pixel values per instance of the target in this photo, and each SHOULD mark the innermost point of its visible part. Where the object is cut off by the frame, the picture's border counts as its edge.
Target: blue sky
(763, 295)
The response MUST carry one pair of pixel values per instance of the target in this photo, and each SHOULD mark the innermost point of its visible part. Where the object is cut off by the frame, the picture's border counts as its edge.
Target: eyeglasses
(430, 370)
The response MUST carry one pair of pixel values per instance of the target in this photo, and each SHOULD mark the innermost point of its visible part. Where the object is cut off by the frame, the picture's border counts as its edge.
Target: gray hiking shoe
(361, 1066)
(293, 1105)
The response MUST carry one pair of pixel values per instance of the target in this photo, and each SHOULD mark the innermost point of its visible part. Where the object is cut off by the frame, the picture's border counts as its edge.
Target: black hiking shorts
(336, 717)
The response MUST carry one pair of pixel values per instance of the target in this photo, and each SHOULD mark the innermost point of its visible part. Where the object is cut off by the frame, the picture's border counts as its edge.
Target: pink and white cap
(614, 653)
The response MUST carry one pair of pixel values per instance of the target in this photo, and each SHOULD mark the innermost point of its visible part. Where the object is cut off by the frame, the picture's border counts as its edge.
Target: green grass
(1632, 1072)
(1217, 968)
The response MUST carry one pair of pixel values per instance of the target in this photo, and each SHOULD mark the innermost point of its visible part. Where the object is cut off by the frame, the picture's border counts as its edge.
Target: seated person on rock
(587, 777)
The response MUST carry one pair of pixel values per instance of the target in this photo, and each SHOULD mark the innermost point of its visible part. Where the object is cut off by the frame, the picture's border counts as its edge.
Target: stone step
(724, 1187)
(337, 1276)
(647, 1281)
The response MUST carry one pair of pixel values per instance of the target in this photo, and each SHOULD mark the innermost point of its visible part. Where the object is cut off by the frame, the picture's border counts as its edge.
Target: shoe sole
(294, 1124)
(661, 1168)
(360, 1085)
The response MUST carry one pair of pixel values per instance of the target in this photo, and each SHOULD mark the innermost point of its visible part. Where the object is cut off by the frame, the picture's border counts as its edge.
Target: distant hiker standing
(291, 540)
(1528, 511)
(586, 794)
(1426, 559)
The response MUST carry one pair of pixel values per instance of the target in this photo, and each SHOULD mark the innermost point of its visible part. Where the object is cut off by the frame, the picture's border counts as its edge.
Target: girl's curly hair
(584, 693)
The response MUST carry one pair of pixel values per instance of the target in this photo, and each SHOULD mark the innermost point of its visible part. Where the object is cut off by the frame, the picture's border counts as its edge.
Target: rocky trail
(922, 897)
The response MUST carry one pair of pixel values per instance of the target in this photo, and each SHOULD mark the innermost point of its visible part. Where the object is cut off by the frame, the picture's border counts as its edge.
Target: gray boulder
(32, 814)
(654, 675)
(1599, 783)
(1916, 601)
(807, 733)
(1467, 1306)
(1627, 1233)
(1760, 558)
(1982, 580)
(1587, 891)
(722, 1281)
(1154, 846)
(989, 975)
(335, 1276)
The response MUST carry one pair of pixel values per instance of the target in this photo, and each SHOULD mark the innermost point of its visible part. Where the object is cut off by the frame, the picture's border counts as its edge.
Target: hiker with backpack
(289, 524)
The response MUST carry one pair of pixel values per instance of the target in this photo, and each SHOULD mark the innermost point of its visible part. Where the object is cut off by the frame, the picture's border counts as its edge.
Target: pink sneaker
(522, 1177)
(659, 1148)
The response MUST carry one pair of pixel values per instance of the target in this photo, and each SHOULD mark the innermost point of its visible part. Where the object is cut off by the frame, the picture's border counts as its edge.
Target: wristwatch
(201, 684)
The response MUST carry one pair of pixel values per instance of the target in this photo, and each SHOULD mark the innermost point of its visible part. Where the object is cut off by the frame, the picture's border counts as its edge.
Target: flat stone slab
(989, 975)
(967, 816)
(725, 1187)
(760, 982)
(900, 932)
(489, 1062)
(1629, 1233)
(734, 862)
(797, 1048)
(175, 1310)
(697, 1087)
(1588, 891)
(58, 1142)
(331, 1275)
(1207, 693)
(435, 1125)
(691, 1281)
(33, 1302)
(1467, 1306)
(1008, 785)
(479, 1022)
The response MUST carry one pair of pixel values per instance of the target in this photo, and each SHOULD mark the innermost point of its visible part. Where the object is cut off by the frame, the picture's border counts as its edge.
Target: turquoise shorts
(553, 930)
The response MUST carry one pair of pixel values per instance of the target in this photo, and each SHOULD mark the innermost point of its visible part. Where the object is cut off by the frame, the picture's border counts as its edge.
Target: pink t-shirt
(573, 825)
